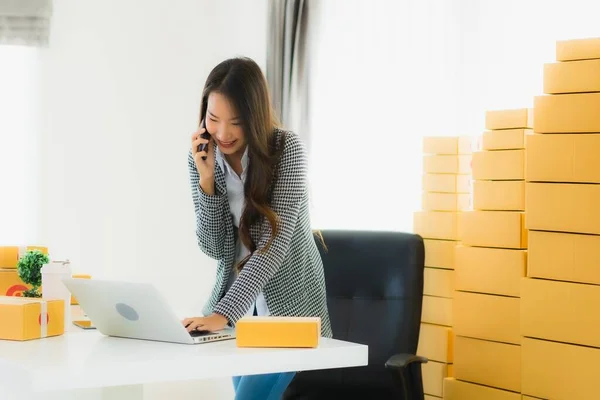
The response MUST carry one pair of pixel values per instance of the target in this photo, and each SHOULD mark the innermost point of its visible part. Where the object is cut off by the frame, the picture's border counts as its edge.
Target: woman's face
(224, 125)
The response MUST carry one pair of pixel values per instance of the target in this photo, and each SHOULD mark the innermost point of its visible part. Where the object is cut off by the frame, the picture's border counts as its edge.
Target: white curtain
(25, 22)
(386, 73)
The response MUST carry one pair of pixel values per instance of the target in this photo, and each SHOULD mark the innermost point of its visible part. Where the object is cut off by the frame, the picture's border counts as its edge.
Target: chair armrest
(401, 361)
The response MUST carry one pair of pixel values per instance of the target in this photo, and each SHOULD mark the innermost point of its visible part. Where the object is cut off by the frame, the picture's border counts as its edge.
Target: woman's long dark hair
(242, 82)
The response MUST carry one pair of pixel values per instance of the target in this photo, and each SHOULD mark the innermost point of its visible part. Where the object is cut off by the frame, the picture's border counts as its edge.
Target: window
(385, 74)
(19, 125)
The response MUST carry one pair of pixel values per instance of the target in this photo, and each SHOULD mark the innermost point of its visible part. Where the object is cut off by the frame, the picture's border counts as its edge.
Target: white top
(235, 195)
(87, 359)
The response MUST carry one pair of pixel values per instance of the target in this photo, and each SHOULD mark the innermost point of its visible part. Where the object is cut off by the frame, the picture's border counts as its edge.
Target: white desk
(87, 359)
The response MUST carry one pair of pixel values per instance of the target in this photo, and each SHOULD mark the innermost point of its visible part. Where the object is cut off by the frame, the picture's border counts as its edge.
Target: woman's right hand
(206, 167)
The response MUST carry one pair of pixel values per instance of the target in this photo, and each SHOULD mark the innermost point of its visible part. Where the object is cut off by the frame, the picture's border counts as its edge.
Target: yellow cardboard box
(499, 195)
(563, 207)
(572, 77)
(447, 145)
(486, 316)
(10, 255)
(437, 310)
(503, 229)
(488, 363)
(438, 282)
(433, 374)
(428, 397)
(563, 158)
(458, 390)
(507, 139)
(489, 270)
(525, 397)
(577, 49)
(27, 318)
(301, 332)
(446, 201)
(436, 224)
(11, 284)
(567, 113)
(447, 183)
(563, 257)
(521, 118)
(439, 253)
(436, 343)
(447, 164)
(560, 371)
(560, 311)
(499, 165)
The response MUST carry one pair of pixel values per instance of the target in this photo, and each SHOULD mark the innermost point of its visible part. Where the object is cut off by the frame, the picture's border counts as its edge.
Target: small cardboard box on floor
(28, 318)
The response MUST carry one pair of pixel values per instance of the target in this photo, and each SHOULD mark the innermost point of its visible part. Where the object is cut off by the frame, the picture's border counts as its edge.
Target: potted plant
(29, 269)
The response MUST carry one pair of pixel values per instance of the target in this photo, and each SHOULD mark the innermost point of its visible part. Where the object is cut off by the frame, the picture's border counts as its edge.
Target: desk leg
(130, 392)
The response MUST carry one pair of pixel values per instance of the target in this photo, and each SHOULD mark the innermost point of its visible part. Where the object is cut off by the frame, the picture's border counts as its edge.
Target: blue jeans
(261, 387)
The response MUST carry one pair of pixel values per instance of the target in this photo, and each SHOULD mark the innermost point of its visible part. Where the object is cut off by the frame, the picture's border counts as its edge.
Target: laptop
(135, 311)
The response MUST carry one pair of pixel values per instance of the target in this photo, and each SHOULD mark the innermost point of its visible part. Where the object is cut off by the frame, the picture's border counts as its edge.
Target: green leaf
(29, 268)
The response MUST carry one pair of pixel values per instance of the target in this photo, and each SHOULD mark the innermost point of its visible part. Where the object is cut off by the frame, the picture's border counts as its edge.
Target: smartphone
(205, 135)
(84, 324)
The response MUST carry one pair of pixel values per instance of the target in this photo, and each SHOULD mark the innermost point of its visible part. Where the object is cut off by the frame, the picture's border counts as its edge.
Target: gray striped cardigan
(290, 273)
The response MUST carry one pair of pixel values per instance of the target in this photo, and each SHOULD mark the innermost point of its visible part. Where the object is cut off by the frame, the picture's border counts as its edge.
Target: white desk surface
(87, 359)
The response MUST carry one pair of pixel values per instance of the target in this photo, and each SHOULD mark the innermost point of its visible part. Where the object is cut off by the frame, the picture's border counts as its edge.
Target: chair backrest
(375, 291)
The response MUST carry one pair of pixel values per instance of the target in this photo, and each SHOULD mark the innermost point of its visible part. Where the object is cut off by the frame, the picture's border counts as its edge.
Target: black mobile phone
(205, 135)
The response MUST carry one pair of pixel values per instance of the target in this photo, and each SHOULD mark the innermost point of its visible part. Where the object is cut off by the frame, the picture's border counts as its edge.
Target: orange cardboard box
(499, 165)
(9, 255)
(278, 332)
(563, 207)
(567, 113)
(489, 270)
(447, 183)
(447, 164)
(428, 397)
(499, 195)
(439, 253)
(446, 201)
(437, 310)
(564, 257)
(563, 158)
(488, 363)
(436, 224)
(560, 371)
(433, 374)
(502, 229)
(11, 284)
(447, 145)
(507, 139)
(572, 77)
(521, 118)
(438, 282)
(578, 49)
(560, 311)
(486, 316)
(458, 390)
(28, 318)
(436, 343)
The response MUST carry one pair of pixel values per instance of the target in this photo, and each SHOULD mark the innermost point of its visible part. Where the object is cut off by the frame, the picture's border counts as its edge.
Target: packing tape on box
(43, 319)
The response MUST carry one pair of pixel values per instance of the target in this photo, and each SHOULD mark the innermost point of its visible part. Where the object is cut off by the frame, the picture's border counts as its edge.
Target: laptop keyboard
(196, 333)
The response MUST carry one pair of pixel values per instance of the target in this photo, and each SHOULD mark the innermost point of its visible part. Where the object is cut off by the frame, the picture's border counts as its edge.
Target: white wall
(122, 84)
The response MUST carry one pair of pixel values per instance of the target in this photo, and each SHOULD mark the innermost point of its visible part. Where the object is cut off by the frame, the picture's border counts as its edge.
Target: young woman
(250, 193)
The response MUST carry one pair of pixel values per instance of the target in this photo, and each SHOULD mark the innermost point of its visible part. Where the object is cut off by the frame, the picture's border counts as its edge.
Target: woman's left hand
(213, 322)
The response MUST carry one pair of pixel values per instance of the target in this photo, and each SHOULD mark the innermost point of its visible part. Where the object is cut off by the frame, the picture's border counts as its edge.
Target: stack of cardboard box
(10, 282)
(490, 264)
(446, 192)
(560, 321)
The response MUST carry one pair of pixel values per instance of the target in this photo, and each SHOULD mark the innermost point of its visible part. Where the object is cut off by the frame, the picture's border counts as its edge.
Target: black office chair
(374, 291)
